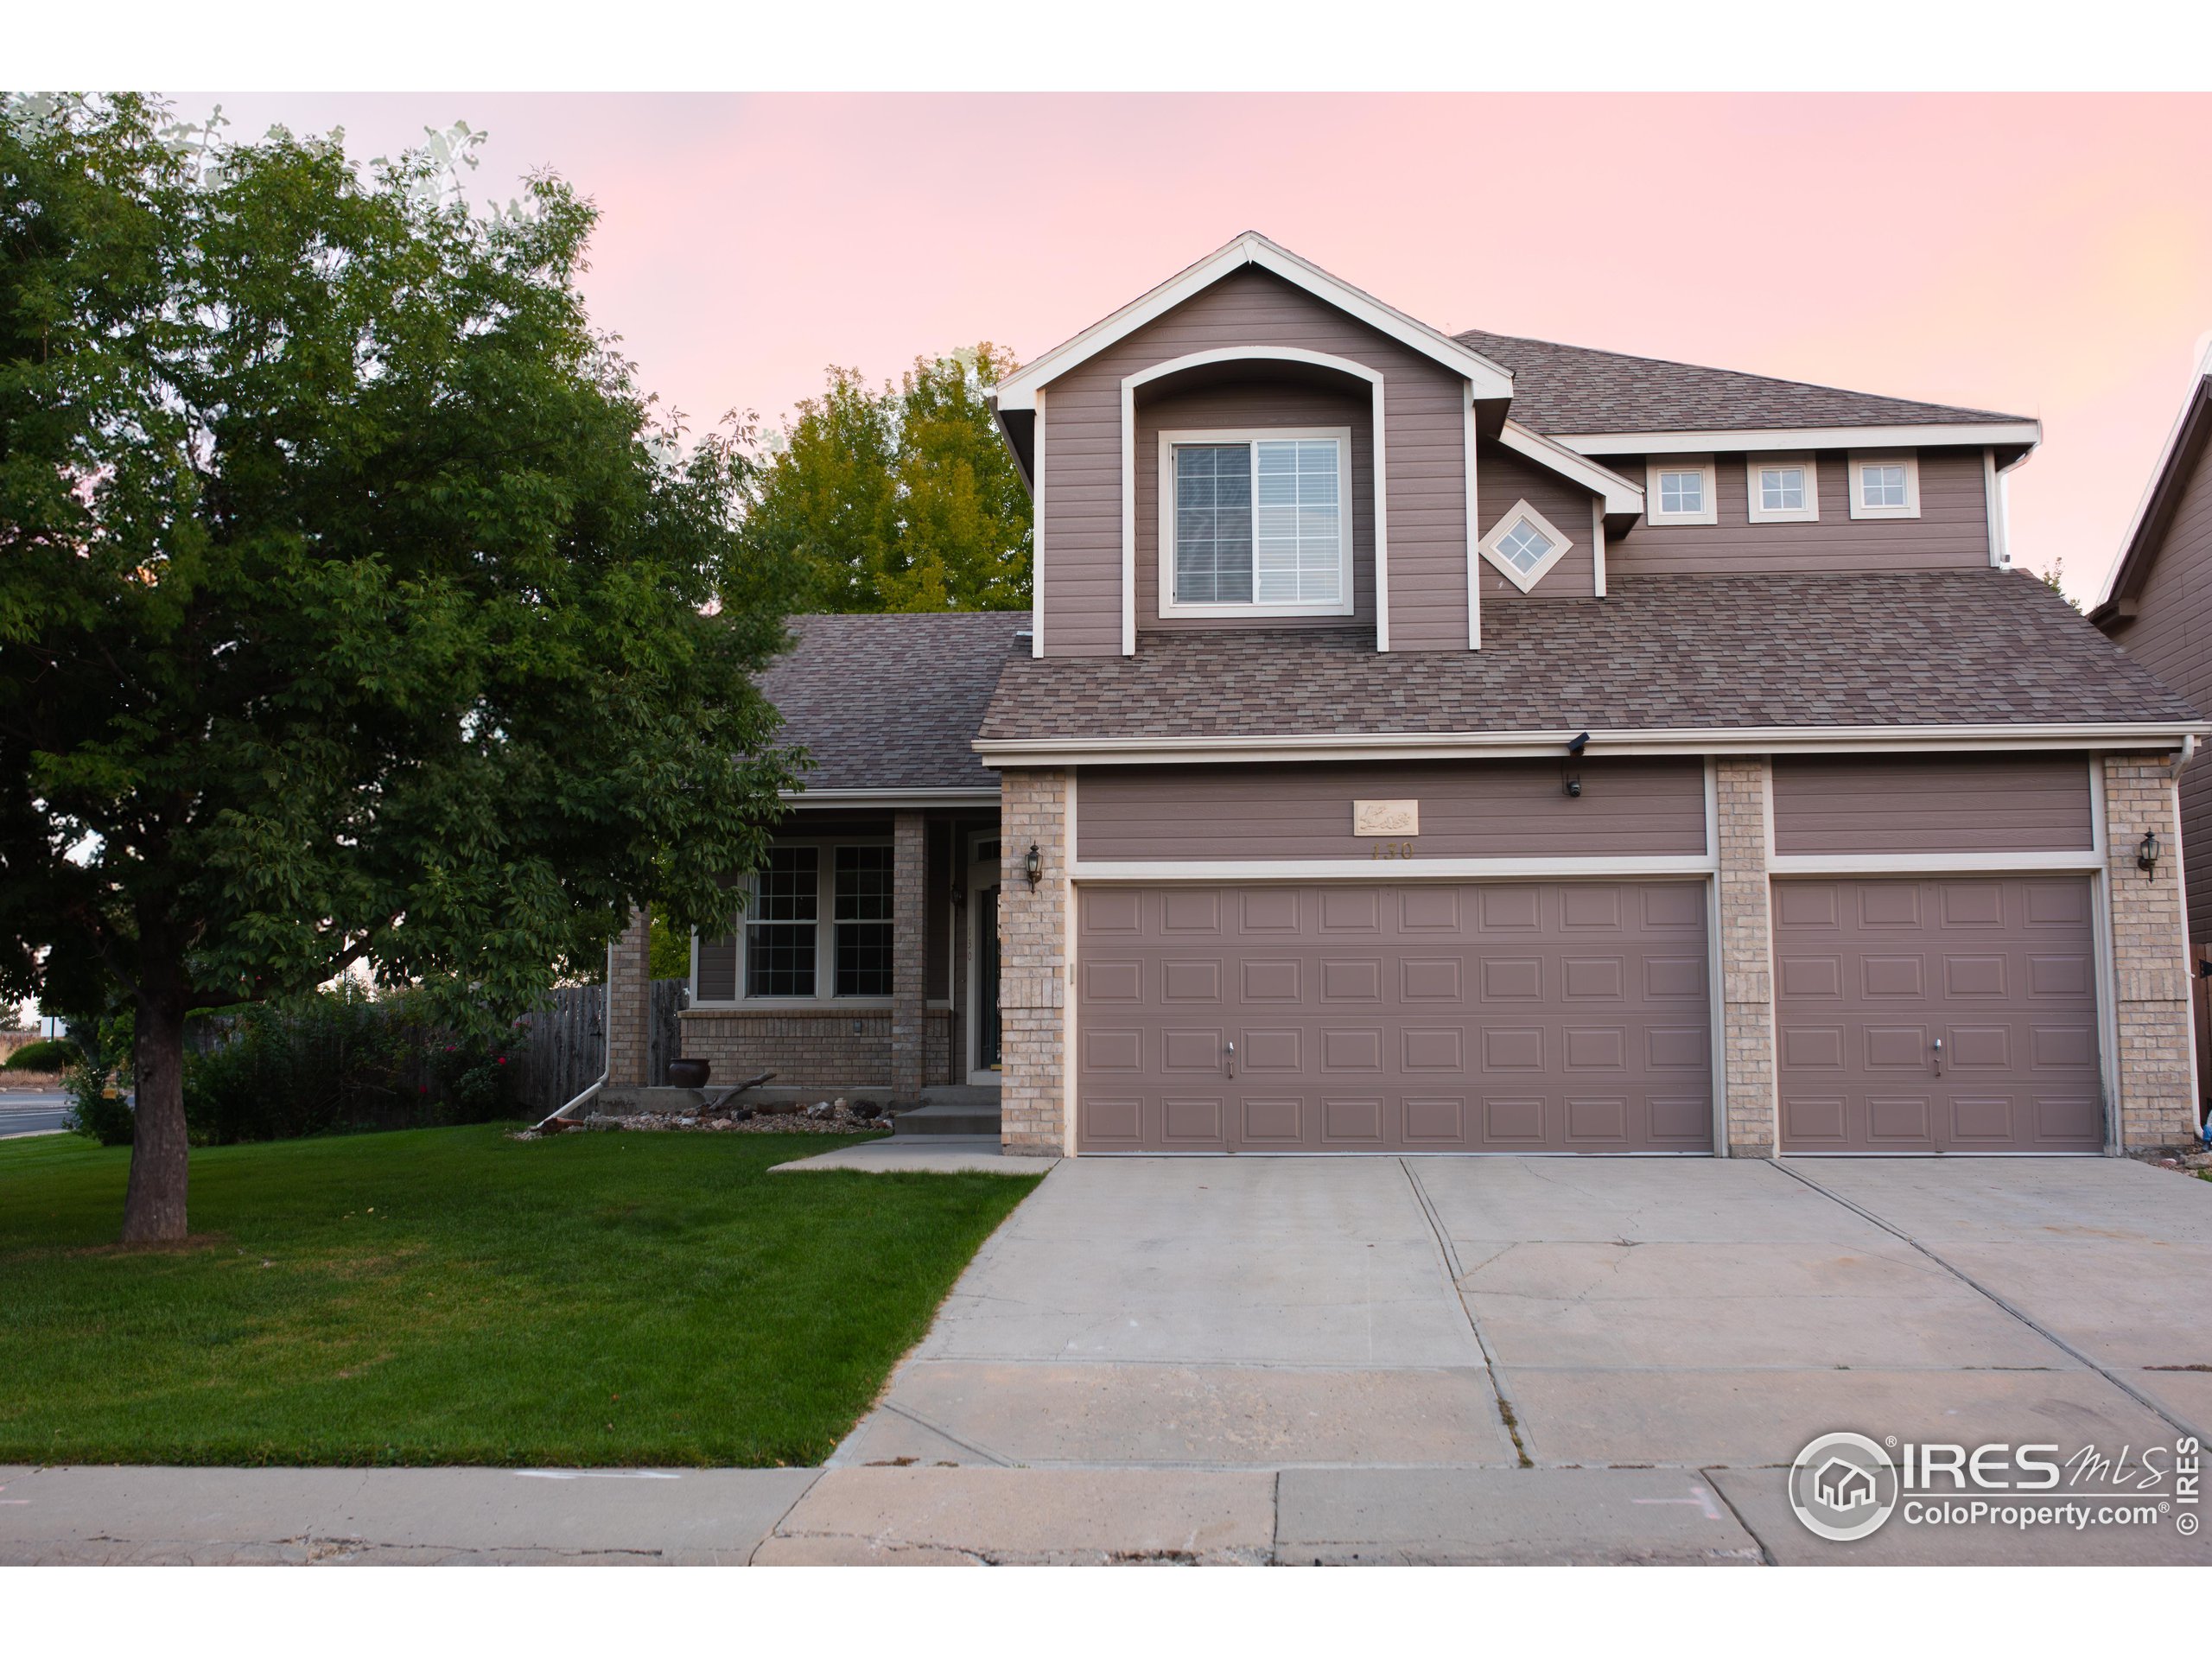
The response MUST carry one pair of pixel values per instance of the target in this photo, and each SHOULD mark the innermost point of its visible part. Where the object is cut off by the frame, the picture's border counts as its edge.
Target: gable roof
(890, 704)
(1698, 655)
(2154, 513)
(1574, 392)
(1490, 381)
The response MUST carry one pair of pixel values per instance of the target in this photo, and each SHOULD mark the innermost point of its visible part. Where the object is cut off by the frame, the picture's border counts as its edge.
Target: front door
(986, 980)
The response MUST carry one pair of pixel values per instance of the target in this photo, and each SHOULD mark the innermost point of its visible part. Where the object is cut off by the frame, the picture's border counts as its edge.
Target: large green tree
(900, 498)
(355, 605)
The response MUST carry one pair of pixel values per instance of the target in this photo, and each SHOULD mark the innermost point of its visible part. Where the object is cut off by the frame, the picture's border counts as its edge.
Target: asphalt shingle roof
(1579, 389)
(892, 701)
(1922, 648)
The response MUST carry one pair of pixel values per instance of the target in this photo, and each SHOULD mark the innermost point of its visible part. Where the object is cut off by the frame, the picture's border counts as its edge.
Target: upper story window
(1256, 522)
(1523, 545)
(1885, 485)
(1679, 490)
(800, 896)
(1782, 489)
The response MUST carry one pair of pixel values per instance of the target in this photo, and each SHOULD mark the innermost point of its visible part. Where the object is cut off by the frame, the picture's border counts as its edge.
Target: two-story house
(1434, 743)
(2157, 605)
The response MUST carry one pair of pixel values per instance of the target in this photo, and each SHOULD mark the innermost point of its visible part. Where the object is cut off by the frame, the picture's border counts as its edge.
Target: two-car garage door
(1366, 1017)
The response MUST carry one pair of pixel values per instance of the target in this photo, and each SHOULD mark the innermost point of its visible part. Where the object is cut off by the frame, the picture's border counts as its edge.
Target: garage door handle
(1939, 1056)
(1232, 1059)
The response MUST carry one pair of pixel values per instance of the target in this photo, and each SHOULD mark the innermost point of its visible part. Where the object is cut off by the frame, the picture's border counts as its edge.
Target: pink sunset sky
(2047, 256)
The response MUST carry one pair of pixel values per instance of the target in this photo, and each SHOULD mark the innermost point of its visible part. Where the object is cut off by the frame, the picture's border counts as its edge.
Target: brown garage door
(1872, 975)
(1365, 1018)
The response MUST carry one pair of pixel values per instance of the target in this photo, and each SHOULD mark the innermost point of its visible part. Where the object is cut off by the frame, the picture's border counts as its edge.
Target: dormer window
(1885, 485)
(1783, 490)
(1523, 545)
(1680, 490)
(1255, 524)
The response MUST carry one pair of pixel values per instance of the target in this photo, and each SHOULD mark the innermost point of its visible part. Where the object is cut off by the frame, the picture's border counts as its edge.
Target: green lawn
(452, 1296)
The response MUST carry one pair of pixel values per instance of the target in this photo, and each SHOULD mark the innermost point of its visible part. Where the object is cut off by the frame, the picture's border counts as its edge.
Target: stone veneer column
(909, 944)
(1747, 1062)
(1032, 961)
(629, 1002)
(2150, 941)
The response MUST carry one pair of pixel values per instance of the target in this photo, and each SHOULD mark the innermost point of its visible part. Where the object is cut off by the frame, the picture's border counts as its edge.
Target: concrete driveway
(1634, 1348)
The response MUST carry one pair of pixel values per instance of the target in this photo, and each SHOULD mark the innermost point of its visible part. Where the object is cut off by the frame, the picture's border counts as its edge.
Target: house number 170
(1392, 850)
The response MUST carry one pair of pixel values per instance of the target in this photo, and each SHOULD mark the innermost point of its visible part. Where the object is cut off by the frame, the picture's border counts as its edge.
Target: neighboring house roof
(889, 704)
(1984, 648)
(2154, 514)
(1579, 390)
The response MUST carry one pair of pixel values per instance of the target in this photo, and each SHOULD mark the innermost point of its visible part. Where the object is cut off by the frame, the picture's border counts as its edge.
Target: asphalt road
(29, 1111)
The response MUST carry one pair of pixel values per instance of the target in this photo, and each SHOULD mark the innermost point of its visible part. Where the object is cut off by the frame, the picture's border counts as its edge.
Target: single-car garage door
(1356, 1017)
(1949, 1015)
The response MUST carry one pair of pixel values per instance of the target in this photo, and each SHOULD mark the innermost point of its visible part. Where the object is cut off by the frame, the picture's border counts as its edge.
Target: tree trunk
(152, 1209)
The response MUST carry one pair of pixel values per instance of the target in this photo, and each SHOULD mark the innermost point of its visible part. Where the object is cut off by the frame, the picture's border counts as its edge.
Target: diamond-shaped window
(1525, 547)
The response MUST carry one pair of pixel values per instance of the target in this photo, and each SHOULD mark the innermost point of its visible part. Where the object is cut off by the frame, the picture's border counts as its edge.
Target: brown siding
(1952, 532)
(1505, 479)
(2169, 635)
(1425, 446)
(1481, 808)
(1246, 403)
(1934, 804)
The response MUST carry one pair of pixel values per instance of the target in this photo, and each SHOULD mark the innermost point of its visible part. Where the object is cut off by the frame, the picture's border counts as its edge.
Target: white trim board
(1252, 353)
(2030, 863)
(1490, 380)
(1619, 494)
(1967, 435)
(1548, 867)
(1841, 740)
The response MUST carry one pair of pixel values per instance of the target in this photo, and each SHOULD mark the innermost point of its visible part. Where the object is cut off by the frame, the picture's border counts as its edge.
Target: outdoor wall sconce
(2146, 853)
(1034, 866)
(1570, 781)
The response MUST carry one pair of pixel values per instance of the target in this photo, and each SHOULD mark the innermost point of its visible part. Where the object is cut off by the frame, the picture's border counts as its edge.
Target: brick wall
(2149, 953)
(629, 1003)
(909, 941)
(809, 1048)
(1032, 961)
(1745, 788)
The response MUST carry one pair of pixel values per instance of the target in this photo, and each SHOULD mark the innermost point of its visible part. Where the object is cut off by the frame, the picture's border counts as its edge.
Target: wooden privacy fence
(567, 1046)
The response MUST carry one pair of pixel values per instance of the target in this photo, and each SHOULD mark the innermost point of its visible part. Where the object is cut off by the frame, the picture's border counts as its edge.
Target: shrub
(48, 1054)
(336, 1061)
(93, 1111)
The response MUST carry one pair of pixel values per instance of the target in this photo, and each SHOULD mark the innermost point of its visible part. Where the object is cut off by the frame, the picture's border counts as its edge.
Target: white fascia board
(976, 796)
(1620, 495)
(1489, 380)
(2150, 488)
(1737, 739)
(1999, 433)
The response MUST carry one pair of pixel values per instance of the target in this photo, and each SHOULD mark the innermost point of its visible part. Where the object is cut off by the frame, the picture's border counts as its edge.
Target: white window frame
(1754, 494)
(1908, 459)
(1655, 514)
(1341, 436)
(825, 931)
(1518, 513)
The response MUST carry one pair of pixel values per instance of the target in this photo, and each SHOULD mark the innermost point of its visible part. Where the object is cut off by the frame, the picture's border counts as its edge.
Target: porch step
(979, 1116)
